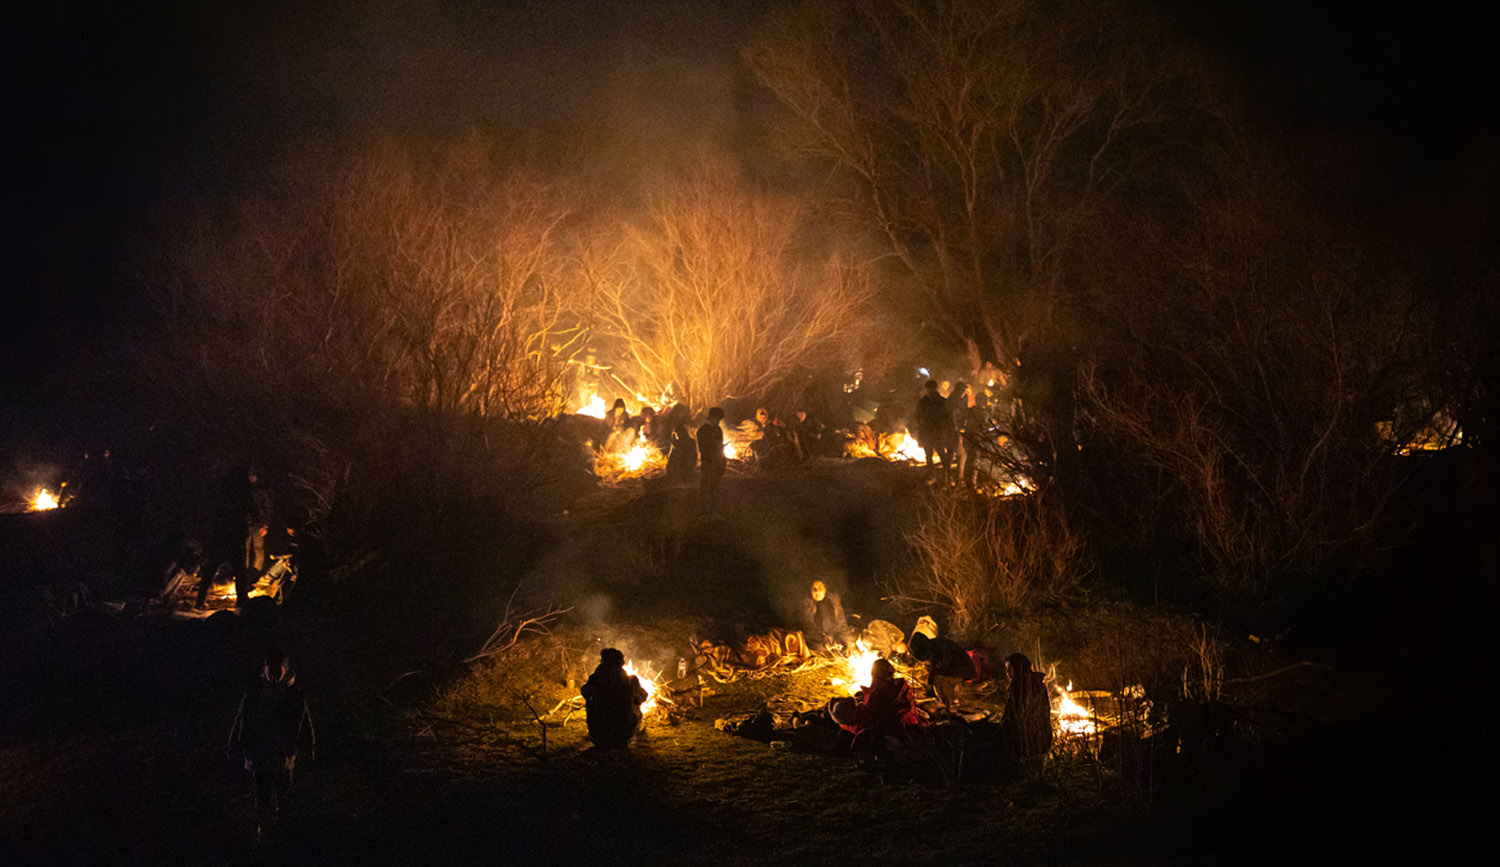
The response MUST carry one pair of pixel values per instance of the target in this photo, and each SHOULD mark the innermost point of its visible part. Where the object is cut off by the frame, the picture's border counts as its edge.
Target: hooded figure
(613, 701)
(1027, 725)
(267, 731)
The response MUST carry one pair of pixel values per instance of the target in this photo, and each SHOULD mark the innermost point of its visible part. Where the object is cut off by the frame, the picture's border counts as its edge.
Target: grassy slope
(116, 755)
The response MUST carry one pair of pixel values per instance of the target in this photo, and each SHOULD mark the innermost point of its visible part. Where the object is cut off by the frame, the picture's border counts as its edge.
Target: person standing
(935, 431)
(711, 459)
(1026, 727)
(267, 732)
(242, 517)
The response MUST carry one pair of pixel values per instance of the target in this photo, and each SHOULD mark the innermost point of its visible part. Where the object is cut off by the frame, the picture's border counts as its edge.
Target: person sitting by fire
(1026, 727)
(948, 664)
(612, 702)
(822, 619)
(652, 429)
(619, 435)
(880, 711)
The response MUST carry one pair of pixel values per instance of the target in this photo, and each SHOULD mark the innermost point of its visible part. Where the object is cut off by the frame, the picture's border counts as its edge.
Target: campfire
(1073, 719)
(898, 446)
(44, 500)
(853, 672)
(652, 685)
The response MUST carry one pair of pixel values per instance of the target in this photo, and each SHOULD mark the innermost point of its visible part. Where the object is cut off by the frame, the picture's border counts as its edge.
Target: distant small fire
(44, 500)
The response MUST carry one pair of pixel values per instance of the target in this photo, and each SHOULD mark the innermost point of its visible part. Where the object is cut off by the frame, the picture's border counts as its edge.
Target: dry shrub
(982, 558)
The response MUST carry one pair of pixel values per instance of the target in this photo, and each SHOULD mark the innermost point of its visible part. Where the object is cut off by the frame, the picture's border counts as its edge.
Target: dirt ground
(112, 745)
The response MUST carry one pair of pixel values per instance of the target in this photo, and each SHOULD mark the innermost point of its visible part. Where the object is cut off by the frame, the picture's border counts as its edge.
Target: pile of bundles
(780, 651)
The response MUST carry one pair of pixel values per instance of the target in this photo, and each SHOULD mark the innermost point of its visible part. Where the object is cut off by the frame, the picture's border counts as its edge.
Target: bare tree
(980, 557)
(980, 142)
(718, 292)
(406, 314)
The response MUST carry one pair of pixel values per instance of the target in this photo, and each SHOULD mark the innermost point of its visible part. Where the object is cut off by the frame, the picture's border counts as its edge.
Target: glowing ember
(647, 683)
(855, 668)
(44, 500)
(730, 454)
(1073, 719)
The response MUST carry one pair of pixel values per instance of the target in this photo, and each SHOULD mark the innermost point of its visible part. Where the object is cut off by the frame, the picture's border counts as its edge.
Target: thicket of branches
(1080, 203)
(397, 327)
(722, 291)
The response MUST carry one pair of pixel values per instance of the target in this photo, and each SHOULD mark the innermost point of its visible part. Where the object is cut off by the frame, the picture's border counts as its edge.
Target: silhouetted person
(243, 511)
(613, 701)
(935, 432)
(971, 424)
(682, 455)
(711, 460)
(822, 618)
(268, 730)
(1026, 727)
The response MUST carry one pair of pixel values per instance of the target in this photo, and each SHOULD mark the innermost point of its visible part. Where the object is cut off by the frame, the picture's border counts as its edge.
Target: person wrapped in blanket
(882, 710)
(948, 664)
(1026, 728)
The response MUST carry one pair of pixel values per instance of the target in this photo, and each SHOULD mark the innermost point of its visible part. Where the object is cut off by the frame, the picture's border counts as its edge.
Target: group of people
(884, 710)
(761, 437)
(952, 431)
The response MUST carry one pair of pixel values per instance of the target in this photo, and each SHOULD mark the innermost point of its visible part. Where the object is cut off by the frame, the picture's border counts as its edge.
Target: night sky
(117, 111)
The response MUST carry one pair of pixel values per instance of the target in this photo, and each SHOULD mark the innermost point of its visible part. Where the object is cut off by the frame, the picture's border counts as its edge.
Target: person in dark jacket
(243, 512)
(947, 665)
(682, 457)
(935, 432)
(268, 730)
(1026, 728)
(613, 702)
(711, 459)
(822, 619)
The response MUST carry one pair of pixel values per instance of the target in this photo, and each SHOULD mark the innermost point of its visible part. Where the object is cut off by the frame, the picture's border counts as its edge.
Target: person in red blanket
(883, 709)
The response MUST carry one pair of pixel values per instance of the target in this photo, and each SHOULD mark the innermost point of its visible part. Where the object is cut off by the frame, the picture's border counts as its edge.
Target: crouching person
(268, 730)
(613, 702)
(881, 710)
